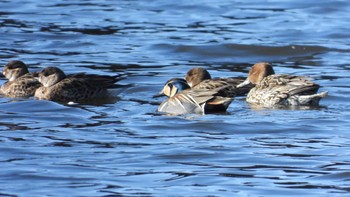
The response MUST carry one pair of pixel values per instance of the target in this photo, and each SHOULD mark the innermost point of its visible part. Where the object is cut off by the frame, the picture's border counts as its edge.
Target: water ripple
(121, 146)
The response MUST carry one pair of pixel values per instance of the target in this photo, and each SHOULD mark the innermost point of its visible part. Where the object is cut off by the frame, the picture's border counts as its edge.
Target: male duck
(183, 100)
(199, 78)
(20, 82)
(272, 89)
(58, 86)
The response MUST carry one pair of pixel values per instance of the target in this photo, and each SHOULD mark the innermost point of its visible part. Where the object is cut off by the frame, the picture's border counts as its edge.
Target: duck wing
(94, 80)
(227, 86)
(289, 84)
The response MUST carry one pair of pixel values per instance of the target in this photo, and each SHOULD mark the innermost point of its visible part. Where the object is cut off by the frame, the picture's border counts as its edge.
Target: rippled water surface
(123, 147)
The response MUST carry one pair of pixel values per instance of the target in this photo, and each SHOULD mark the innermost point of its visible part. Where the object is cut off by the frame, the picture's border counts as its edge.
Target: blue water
(123, 147)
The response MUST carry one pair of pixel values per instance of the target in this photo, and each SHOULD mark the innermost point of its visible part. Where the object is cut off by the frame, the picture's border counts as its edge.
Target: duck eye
(170, 85)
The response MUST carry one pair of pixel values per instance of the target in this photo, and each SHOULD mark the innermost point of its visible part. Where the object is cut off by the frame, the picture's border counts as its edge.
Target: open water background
(123, 147)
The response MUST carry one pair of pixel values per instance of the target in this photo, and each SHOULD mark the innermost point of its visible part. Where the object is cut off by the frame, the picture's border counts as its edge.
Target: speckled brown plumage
(20, 83)
(283, 89)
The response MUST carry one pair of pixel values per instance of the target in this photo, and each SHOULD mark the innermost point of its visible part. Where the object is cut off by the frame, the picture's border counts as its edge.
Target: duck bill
(190, 84)
(2, 75)
(244, 83)
(160, 94)
(36, 76)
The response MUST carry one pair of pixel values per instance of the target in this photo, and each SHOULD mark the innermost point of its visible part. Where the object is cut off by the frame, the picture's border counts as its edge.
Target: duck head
(14, 69)
(173, 86)
(50, 76)
(257, 73)
(196, 75)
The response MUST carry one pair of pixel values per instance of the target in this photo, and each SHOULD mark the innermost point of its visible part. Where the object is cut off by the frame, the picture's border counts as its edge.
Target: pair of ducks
(53, 84)
(198, 93)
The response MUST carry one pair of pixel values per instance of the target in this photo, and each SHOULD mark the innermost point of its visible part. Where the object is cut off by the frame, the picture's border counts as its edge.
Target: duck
(200, 78)
(57, 86)
(280, 89)
(184, 100)
(20, 82)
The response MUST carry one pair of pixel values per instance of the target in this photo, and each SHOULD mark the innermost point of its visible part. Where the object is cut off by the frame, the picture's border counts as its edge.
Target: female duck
(199, 78)
(282, 89)
(60, 87)
(183, 100)
(20, 82)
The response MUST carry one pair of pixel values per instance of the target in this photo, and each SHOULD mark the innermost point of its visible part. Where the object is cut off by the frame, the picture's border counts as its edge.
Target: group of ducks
(197, 93)
(52, 83)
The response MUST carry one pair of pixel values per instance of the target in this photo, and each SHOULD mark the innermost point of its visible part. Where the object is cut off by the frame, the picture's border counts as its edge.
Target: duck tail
(312, 99)
(119, 77)
(106, 81)
(218, 104)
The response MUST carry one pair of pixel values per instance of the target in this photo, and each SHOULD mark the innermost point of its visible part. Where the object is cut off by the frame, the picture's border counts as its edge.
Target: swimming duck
(20, 82)
(282, 89)
(58, 86)
(183, 100)
(199, 78)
